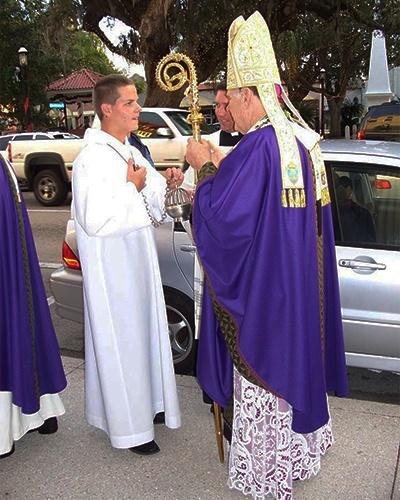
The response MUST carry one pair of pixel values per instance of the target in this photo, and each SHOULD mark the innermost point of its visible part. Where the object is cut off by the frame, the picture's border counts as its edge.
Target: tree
(351, 112)
(339, 44)
(308, 35)
(56, 47)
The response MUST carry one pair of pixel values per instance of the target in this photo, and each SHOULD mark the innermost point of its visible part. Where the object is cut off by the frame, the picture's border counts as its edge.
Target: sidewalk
(78, 462)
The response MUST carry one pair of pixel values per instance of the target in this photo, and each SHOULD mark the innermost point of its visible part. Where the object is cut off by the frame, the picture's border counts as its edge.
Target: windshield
(180, 120)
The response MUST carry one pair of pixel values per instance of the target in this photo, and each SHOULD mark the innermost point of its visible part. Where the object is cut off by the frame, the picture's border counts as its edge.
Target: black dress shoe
(5, 455)
(49, 426)
(159, 418)
(146, 449)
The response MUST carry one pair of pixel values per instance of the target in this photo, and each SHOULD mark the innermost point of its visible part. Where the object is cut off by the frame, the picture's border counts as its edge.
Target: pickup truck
(45, 166)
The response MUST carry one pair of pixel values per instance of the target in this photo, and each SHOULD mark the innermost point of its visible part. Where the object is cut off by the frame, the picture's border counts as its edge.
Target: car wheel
(180, 315)
(49, 188)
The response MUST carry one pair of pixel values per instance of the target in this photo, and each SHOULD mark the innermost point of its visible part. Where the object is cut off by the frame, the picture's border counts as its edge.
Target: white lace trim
(266, 456)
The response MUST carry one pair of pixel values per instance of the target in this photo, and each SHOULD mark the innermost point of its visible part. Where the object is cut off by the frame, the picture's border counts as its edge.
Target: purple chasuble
(261, 262)
(30, 363)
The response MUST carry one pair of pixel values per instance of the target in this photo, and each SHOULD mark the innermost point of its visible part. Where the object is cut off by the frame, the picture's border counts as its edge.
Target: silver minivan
(364, 181)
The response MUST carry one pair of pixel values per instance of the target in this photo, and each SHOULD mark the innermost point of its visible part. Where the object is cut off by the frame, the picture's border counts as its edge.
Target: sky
(119, 61)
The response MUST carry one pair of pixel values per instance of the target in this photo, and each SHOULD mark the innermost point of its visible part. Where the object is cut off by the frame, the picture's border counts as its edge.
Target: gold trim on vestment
(252, 62)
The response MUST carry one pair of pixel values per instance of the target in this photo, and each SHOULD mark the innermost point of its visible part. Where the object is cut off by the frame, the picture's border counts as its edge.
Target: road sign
(56, 105)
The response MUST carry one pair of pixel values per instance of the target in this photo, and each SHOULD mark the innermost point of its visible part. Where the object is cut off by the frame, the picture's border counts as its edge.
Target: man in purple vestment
(271, 340)
(31, 372)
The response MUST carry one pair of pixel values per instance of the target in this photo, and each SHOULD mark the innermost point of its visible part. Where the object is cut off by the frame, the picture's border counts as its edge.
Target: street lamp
(322, 121)
(362, 87)
(23, 62)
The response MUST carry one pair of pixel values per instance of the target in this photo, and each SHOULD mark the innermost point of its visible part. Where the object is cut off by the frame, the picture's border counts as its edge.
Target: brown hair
(221, 86)
(106, 90)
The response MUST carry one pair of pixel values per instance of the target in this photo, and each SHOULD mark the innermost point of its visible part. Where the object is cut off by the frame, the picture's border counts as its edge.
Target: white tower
(378, 87)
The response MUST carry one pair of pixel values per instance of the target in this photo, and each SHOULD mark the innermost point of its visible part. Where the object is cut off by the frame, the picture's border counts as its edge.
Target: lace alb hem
(266, 456)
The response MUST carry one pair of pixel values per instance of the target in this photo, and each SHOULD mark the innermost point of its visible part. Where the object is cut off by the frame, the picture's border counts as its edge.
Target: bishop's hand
(198, 153)
(217, 154)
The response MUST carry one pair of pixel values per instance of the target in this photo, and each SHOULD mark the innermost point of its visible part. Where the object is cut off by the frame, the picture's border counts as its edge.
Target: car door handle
(187, 248)
(361, 265)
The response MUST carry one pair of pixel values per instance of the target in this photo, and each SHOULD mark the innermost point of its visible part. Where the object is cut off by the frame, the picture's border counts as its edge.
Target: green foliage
(308, 112)
(86, 51)
(55, 48)
(140, 84)
(307, 35)
(351, 112)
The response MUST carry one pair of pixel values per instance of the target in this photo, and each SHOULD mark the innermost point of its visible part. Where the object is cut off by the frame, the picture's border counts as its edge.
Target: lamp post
(322, 120)
(23, 62)
(362, 87)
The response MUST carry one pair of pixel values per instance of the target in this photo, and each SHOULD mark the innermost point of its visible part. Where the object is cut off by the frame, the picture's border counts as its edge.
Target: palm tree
(351, 112)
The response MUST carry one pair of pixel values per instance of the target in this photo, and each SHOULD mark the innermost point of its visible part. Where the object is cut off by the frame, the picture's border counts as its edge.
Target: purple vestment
(261, 262)
(30, 363)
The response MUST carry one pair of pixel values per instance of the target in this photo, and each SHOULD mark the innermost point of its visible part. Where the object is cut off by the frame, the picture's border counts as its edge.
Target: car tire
(181, 329)
(49, 188)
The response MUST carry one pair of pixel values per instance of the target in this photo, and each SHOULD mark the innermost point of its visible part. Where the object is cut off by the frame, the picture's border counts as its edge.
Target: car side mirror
(165, 132)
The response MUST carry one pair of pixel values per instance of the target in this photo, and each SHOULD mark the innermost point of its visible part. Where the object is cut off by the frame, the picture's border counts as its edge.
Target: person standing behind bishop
(117, 197)
(226, 137)
(271, 338)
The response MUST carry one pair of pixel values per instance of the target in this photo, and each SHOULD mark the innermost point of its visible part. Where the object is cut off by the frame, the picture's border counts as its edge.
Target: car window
(42, 137)
(180, 121)
(4, 141)
(384, 118)
(366, 205)
(23, 137)
(149, 123)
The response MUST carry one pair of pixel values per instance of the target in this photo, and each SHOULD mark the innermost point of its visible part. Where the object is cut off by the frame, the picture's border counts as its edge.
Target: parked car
(46, 167)
(381, 123)
(28, 136)
(368, 263)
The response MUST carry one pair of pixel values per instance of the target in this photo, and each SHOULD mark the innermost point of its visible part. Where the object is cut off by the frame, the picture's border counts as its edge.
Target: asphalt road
(48, 225)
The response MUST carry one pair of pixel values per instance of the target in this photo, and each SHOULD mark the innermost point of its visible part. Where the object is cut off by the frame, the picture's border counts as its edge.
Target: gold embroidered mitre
(251, 57)
(252, 62)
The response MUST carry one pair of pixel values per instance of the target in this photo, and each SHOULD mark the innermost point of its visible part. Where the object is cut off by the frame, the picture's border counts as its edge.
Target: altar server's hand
(174, 176)
(136, 175)
(198, 153)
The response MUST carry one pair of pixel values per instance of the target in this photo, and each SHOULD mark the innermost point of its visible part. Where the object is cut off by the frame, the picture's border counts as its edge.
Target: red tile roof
(206, 86)
(79, 80)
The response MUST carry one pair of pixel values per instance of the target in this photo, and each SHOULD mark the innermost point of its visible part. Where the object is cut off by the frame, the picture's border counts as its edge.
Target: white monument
(378, 87)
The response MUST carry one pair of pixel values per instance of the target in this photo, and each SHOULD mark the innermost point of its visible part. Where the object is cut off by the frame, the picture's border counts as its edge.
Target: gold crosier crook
(187, 74)
(177, 80)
